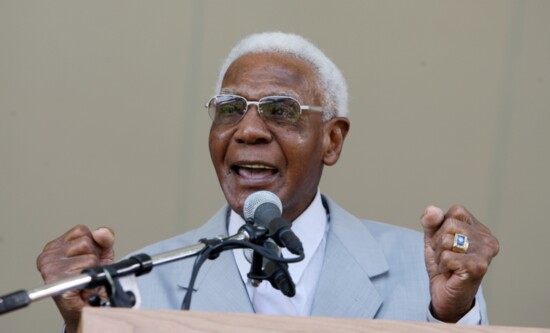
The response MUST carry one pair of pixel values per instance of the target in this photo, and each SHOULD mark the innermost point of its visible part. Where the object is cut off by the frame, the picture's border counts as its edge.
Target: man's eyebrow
(289, 94)
(225, 91)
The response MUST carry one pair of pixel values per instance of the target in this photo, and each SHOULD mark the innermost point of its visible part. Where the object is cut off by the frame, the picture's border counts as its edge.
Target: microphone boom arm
(102, 275)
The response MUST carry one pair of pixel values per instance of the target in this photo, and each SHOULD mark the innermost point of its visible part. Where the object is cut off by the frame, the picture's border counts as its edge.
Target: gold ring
(460, 244)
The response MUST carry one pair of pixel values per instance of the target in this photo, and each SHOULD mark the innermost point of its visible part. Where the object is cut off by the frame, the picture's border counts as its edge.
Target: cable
(212, 250)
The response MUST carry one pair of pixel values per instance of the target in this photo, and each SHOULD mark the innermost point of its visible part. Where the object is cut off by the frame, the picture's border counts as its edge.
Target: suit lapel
(352, 258)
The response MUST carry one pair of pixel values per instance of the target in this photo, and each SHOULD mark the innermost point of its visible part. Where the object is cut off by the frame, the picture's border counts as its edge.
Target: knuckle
(446, 256)
(80, 227)
(40, 261)
(460, 213)
(78, 230)
(49, 245)
(456, 209)
(480, 268)
(86, 246)
(491, 244)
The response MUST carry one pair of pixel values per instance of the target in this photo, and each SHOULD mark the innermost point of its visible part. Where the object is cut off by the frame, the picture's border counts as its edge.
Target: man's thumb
(105, 238)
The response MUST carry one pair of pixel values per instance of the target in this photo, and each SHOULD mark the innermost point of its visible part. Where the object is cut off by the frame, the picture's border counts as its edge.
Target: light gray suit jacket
(370, 270)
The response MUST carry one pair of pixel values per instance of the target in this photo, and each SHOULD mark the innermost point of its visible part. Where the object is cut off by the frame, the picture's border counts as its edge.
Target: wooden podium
(107, 320)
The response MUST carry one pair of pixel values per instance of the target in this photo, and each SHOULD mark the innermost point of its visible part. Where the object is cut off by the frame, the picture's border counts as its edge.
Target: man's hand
(455, 277)
(68, 255)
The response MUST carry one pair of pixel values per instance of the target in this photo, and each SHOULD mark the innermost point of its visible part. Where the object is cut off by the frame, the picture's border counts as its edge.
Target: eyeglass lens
(228, 109)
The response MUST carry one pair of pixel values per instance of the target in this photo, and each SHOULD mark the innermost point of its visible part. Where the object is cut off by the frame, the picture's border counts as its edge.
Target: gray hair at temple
(331, 79)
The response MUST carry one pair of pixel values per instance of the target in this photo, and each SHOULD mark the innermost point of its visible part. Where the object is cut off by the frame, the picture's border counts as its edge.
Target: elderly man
(278, 118)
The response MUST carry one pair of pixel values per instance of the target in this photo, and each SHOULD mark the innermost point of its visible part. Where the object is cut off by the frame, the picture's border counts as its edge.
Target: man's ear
(335, 132)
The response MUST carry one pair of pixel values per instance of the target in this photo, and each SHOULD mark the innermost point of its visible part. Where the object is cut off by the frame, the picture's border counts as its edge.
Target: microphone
(278, 274)
(265, 209)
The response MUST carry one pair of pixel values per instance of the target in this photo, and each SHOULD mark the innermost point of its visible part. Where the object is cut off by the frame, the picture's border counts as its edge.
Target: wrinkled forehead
(267, 74)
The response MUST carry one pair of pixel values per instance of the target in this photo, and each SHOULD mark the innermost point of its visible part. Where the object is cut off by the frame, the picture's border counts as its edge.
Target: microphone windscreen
(258, 198)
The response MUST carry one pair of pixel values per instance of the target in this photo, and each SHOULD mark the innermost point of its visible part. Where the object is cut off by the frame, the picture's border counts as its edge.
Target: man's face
(254, 154)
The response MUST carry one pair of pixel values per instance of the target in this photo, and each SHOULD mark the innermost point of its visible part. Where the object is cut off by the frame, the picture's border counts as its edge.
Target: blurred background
(102, 123)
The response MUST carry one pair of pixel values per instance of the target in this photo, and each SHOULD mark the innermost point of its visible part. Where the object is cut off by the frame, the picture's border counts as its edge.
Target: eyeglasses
(230, 109)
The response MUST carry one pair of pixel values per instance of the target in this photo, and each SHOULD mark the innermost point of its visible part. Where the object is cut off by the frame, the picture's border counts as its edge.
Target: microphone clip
(117, 296)
(275, 272)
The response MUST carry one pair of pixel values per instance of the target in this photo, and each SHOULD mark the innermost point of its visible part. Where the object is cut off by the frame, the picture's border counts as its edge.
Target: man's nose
(252, 128)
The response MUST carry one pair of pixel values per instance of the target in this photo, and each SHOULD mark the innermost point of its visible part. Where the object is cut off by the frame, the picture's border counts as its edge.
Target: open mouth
(254, 171)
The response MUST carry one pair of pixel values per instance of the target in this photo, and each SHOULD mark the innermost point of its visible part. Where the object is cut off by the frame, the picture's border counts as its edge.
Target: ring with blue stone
(460, 244)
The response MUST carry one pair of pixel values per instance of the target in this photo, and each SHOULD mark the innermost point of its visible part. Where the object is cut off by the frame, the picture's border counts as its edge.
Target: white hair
(329, 76)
